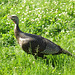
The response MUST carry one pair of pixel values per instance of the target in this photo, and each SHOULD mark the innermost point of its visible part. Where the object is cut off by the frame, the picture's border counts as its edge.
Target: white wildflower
(24, 1)
(22, 21)
(18, 12)
(32, 19)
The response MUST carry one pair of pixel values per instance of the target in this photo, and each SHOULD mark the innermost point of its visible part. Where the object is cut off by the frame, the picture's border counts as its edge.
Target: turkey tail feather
(67, 52)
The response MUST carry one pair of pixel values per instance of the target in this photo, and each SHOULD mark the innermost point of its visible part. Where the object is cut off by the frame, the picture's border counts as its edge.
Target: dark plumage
(35, 44)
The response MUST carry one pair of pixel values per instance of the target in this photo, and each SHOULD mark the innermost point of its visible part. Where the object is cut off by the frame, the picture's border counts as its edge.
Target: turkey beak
(9, 17)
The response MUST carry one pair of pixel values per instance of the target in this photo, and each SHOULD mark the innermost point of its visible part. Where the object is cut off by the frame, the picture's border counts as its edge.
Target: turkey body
(35, 44)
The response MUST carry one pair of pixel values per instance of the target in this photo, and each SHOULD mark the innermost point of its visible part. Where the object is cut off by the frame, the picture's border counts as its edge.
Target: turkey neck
(16, 31)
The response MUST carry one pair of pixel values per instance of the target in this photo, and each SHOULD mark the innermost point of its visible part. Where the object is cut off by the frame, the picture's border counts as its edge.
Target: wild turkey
(35, 44)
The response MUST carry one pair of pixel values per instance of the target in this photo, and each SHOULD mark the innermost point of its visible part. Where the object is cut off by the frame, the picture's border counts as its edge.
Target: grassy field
(52, 19)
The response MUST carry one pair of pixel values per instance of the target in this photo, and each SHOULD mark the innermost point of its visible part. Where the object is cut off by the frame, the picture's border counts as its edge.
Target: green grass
(52, 19)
